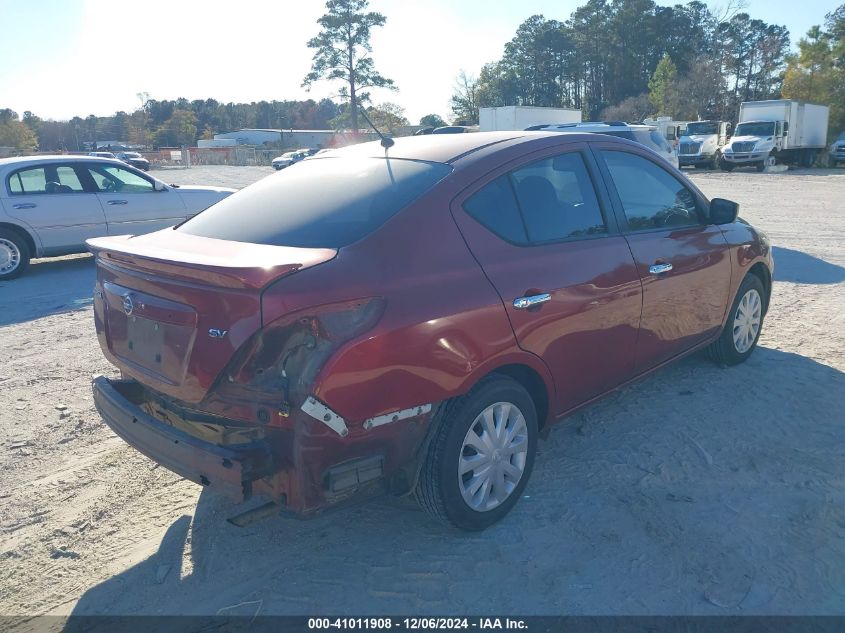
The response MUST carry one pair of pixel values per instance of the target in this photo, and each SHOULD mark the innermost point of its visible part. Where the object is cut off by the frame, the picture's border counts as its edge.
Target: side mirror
(159, 186)
(723, 211)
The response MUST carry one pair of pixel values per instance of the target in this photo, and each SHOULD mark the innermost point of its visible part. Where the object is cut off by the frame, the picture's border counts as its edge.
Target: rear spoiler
(205, 260)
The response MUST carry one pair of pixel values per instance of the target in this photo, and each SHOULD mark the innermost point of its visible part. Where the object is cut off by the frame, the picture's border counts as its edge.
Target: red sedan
(409, 319)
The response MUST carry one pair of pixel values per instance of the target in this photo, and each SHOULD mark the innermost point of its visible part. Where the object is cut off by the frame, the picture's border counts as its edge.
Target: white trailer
(522, 117)
(780, 130)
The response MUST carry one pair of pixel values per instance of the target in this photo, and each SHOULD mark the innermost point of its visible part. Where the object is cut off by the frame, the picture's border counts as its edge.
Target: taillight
(274, 371)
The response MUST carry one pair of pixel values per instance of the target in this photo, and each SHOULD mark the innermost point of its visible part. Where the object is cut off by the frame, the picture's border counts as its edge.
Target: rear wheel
(14, 254)
(745, 321)
(481, 455)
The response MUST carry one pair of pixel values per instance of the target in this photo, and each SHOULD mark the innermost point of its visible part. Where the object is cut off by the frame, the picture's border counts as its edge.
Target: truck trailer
(523, 117)
(777, 131)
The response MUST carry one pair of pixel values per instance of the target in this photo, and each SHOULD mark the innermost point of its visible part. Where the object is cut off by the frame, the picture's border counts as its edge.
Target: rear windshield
(320, 203)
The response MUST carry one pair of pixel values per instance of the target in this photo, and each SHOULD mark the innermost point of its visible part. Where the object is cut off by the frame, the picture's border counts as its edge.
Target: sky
(62, 58)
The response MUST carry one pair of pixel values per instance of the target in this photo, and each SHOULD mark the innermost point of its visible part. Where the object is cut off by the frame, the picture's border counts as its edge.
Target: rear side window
(651, 197)
(324, 202)
(494, 206)
(654, 140)
(32, 180)
(548, 200)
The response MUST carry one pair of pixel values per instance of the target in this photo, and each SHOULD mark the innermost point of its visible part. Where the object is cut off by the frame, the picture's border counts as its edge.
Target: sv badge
(215, 333)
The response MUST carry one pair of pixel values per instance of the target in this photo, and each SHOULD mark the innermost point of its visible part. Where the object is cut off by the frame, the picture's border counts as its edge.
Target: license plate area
(145, 340)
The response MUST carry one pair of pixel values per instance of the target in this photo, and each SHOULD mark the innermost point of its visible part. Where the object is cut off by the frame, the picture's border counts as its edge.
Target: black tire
(724, 351)
(726, 166)
(438, 491)
(760, 166)
(14, 245)
(717, 160)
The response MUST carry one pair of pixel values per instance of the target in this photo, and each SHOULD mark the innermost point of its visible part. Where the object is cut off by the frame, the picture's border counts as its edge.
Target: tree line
(612, 59)
(628, 59)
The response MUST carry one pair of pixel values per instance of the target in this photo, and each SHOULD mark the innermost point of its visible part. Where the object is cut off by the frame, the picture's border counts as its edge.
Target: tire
(761, 166)
(726, 166)
(726, 350)
(14, 254)
(441, 490)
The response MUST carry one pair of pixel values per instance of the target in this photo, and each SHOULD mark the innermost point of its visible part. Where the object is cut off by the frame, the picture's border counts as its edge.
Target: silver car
(49, 205)
(647, 135)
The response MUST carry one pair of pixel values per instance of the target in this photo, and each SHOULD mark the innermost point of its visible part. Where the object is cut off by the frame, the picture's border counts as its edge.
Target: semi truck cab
(754, 141)
(702, 143)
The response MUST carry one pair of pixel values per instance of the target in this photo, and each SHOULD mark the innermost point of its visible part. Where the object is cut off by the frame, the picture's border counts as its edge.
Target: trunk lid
(171, 308)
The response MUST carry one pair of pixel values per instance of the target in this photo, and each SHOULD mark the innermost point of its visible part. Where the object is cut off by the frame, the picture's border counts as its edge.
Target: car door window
(557, 199)
(110, 179)
(68, 180)
(651, 197)
(545, 201)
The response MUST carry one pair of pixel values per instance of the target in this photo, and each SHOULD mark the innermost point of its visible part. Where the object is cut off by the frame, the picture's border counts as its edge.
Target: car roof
(439, 148)
(449, 148)
(56, 158)
(602, 125)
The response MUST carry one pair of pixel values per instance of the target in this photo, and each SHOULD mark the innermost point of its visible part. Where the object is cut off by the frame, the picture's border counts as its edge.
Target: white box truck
(781, 130)
(702, 143)
(523, 117)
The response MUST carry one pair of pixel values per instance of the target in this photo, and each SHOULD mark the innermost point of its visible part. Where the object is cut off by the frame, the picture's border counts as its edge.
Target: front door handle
(117, 202)
(660, 268)
(522, 303)
(25, 205)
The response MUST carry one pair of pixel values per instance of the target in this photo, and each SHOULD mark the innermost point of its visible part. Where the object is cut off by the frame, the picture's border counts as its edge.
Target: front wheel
(726, 166)
(745, 321)
(14, 254)
(481, 455)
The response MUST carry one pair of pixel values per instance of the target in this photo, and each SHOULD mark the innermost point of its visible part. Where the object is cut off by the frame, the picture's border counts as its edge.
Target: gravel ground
(701, 490)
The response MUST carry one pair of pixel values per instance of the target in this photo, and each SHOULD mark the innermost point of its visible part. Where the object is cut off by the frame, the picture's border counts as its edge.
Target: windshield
(763, 128)
(324, 203)
(702, 127)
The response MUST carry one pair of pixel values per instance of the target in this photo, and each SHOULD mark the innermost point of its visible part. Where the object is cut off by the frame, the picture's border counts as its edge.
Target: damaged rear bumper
(230, 470)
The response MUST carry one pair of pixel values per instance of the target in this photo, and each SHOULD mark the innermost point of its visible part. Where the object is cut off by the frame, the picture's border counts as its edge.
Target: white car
(49, 205)
(287, 159)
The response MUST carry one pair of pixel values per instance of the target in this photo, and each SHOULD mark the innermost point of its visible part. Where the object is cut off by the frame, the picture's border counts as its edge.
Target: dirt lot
(701, 490)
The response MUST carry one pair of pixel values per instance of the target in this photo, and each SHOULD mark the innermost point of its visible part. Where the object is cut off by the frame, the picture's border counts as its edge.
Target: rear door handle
(522, 303)
(659, 269)
(117, 202)
(25, 205)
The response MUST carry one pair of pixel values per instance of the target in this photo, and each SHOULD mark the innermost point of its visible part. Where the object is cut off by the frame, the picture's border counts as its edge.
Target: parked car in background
(287, 159)
(837, 151)
(299, 340)
(102, 154)
(49, 205)
(451, 129)
(134, 159)
(308, 151)
(647, 135)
